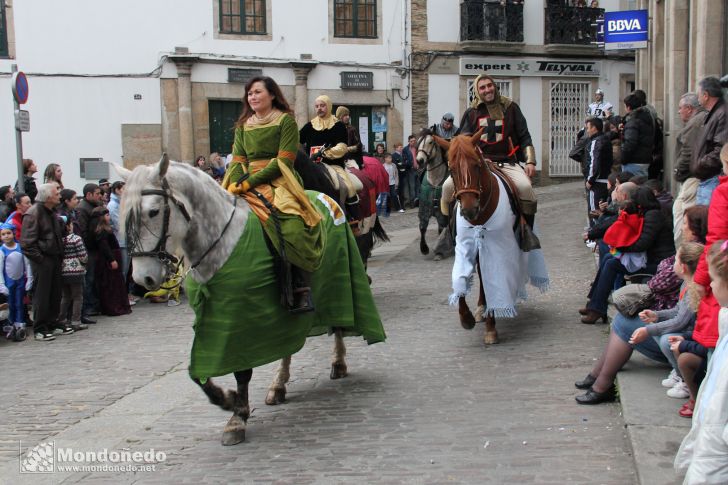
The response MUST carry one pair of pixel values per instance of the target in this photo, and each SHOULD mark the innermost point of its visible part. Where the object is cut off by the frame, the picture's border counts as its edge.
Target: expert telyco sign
(525, 66)
(625, 30)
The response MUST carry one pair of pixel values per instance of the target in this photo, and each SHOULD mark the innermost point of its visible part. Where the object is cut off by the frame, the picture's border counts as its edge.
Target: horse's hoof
(234, 431)
(424, 249)
(467, 321)
(491, 338)
(275, 397)
(338, 371)
(480, 314)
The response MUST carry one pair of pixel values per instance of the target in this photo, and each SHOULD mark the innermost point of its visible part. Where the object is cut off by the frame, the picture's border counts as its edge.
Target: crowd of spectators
(668, 302)
(63, 258)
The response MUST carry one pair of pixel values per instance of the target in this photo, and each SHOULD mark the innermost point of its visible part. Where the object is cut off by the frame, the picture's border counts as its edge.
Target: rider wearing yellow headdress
(325, 129)
(266, 141)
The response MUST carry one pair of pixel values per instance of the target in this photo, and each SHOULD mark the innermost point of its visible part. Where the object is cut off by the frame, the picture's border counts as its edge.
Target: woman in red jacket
(706, 325)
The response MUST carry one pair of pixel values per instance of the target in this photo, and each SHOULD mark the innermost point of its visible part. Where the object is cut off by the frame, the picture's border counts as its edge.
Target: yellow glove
(239, 189)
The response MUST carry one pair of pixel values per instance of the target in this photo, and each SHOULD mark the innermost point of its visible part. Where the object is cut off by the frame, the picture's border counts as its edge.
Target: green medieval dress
(239, 322)
(258, 149)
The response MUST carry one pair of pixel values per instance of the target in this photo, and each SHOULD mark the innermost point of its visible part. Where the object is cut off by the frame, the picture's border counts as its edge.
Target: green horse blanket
(239, 321)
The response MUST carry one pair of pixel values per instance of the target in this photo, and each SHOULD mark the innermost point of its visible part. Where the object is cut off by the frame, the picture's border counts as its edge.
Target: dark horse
(432, 158)
(366, 226)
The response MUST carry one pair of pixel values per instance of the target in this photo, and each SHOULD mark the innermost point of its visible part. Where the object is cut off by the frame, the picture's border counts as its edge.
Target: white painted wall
(533, 22)
(444, 97)
(532, 106)
(443, 20)
(73, 117)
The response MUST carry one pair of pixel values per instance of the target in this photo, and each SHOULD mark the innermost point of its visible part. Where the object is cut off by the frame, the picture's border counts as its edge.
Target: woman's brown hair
(50, 174)
(279, 101)
(718, 259)
(697, 217)
(97, 220)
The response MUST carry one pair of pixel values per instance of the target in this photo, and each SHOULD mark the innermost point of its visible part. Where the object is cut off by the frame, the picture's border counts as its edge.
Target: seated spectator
(655, 240)
(706, 327)
(662, 195)
(649, 334)
(638, 180)
(704, 451)
(110, 286)
(620, 196)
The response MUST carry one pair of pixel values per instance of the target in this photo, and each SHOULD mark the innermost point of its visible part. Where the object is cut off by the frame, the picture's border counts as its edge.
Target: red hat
(625, 231)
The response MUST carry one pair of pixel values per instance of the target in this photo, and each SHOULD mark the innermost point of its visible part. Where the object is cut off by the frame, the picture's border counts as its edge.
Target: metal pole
(18, 141)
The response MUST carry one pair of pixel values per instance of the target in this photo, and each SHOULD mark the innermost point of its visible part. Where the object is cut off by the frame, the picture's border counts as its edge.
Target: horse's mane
(423, 133)
(461, 147)
(199, 188)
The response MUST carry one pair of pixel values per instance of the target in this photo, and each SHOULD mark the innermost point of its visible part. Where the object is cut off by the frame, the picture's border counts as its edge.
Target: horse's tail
(379, 233)
(225, 398)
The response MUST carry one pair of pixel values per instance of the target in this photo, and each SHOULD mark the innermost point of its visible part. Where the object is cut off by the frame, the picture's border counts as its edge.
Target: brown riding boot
(302, 300)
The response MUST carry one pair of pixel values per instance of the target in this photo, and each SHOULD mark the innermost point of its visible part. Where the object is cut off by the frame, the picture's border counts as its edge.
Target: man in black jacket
(42, 243)
(639, 136)
(91, 200)
(598, 156)
(705, 163)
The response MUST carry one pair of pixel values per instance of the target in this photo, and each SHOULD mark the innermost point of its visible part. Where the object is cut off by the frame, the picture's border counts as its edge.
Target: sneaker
(19, 334)
(172, 302)
(65, 330)
(680, 391)
(671, 380)
(78, 326)
(591, 244)
(132, 302)
(47, 336)
(401, 210)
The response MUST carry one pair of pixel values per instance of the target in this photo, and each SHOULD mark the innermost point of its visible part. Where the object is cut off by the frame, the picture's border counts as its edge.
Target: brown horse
(471, 176)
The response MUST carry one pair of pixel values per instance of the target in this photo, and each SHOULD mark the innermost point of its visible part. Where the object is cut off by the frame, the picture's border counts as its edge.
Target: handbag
(527, 240)
(632, 299)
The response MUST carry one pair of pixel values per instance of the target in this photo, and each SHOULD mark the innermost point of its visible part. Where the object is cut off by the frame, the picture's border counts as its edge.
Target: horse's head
(467, 170)
(155, 220)
(426, 147)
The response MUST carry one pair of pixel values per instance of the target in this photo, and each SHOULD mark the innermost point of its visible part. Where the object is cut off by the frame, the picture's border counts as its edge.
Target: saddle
(525, 236)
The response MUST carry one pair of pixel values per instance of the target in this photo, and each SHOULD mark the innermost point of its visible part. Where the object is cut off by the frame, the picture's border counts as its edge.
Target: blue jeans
(705, 191)
(90, 300)
(655, 348)
(610, 273)
(636, 168)
(382, 205)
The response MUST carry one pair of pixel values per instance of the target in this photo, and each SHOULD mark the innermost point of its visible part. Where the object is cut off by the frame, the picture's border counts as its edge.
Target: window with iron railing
(242, 16)
(3, 31)
(491, 21)
(566, 24)
(355, 18)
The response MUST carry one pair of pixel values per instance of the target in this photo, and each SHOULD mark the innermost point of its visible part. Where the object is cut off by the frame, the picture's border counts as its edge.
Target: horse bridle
(479, 190)
(171, 262)
(429, 155)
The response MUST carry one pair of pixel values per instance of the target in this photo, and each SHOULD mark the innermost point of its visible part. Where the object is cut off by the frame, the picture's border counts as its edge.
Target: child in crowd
(648, 333)
(392, 171)
(704, 451)
(109, 280)
(73, 271)
(15, 279)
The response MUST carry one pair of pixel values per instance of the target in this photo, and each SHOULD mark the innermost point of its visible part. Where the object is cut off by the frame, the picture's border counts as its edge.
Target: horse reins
(169, 260)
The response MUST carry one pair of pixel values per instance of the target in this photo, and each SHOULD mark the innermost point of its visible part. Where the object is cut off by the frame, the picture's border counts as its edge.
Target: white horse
(172, 208)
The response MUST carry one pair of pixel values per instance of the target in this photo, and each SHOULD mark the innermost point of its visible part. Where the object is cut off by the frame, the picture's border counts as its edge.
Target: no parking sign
(20, 87)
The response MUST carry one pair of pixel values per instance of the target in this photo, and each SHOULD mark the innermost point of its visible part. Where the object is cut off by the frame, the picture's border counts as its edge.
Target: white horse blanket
(504, 267)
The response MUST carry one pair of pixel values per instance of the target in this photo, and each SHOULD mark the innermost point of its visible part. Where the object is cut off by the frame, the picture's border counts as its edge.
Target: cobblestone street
(431, 405)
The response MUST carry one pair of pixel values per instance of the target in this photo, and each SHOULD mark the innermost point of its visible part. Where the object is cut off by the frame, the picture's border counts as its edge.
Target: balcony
(571, 26)
(491, 21)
